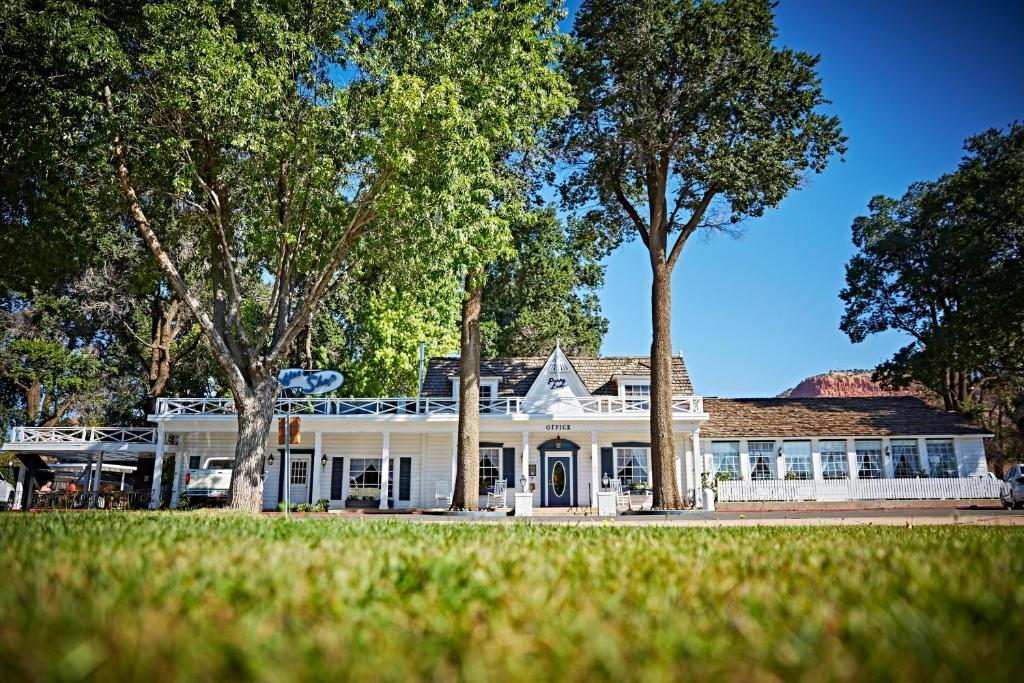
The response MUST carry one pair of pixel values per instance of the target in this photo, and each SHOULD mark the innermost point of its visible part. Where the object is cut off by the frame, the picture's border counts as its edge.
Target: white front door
(298, 482)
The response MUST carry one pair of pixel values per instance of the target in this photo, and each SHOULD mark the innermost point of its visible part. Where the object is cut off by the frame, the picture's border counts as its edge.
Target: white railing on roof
(79, 435)
(857, 489)
(355, 407)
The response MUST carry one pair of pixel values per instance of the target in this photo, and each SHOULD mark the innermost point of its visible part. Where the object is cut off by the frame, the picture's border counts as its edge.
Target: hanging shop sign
(310, 381)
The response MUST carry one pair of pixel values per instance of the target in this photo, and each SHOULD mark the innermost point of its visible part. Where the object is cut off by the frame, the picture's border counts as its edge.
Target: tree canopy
(944, 265)
(689, 116)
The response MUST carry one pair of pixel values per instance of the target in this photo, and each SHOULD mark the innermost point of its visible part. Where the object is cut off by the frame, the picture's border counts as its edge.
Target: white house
(561, 428)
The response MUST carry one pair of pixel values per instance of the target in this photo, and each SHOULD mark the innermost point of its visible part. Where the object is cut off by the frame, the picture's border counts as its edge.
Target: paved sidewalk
(886, 517)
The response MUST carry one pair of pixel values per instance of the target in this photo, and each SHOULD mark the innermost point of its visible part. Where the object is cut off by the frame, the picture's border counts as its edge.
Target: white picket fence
(857, 489)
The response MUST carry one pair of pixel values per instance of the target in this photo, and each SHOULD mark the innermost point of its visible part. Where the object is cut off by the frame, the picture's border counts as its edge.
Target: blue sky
(910, 80)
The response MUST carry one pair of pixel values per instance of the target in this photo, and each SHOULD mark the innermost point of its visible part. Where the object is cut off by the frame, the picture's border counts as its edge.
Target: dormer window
(635, 388)
(488, 388)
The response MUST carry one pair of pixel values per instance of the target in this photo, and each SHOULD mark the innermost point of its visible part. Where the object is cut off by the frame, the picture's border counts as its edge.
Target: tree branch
(690, 226)
(217, 343)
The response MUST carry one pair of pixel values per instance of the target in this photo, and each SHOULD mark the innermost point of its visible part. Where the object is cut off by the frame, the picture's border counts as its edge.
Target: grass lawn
(212, 596)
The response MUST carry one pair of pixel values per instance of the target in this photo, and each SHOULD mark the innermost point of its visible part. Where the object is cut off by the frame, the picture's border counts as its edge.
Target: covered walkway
(88, 467)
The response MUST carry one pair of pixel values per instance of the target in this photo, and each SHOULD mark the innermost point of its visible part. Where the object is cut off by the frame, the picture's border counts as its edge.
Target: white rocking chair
(621, 497)
(496, 496)
(443, 492)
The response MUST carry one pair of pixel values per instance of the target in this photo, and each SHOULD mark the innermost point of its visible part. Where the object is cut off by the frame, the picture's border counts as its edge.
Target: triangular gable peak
(556, 387)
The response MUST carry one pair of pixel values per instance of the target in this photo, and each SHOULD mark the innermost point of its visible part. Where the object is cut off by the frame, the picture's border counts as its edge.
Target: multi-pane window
(762, 459)
(364, 478)
(833, 459)
(300, 468)
(942, 458)
(490, 468)
(488, 392)
(637, 394)
(797, 455)
(725, 458)
(631, 465)
(636, 390)
(905, 461)
(869, 460)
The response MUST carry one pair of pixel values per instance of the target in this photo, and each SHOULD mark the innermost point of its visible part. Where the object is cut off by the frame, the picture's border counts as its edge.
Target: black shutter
(404, 478)
(337, 477)
(607, 462)
(508, 466)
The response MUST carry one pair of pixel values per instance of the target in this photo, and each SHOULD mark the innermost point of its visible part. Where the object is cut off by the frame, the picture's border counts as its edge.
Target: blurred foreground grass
(213, 596)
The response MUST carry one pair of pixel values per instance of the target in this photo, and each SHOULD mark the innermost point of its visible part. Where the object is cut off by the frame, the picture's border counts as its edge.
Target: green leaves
(942, 264)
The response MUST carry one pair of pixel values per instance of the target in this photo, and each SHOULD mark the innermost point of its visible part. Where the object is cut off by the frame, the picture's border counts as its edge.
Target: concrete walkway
(886, 517)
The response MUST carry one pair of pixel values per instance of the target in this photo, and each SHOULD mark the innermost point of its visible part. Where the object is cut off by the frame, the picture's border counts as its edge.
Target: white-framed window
(636, 389)
(833, 459)
(631, 465)
(488, 388)
(762, 459)
(905, 461)
(797, 457)
(300, 470)
(364, 477)
(869, 460)
(490, 468)
(725, 458)
(942, 458)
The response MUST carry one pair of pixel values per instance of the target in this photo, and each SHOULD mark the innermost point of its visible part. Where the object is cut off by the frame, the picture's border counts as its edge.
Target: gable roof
(516, 375)
(805, 417)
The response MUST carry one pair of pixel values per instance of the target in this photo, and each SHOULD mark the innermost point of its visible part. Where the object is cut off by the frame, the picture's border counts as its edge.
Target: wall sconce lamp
(522, 483)
(606, 480)
(323, 460)
(780, 452)
(270, 459)
(558, 440)
(887, 452)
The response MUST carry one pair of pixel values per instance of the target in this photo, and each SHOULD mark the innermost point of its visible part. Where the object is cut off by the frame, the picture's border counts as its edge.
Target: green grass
(210, 596)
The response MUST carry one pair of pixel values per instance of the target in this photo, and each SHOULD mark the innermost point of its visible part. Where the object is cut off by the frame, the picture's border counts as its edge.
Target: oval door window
(558, 479)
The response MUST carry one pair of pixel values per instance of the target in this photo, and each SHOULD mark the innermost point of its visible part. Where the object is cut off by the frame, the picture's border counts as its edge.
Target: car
(7, 491)
(209, 484)
(1011, 491)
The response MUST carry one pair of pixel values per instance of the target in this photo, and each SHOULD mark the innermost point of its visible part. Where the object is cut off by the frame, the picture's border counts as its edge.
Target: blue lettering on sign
(310, 382)
(556, 383)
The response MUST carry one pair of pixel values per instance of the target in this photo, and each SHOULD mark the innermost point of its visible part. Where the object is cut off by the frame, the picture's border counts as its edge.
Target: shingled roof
(518, 374)
(803, 417)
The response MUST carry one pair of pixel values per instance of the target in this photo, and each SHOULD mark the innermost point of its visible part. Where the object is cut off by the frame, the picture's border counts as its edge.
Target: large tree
(944, 265)
(288, 133)
(546, 291)
(689, 117)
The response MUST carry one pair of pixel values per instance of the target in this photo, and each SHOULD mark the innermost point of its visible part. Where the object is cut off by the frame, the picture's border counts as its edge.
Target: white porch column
(526, 462)
(922, 456)
(122, 479)
(455, 461)
(816, 459)
(96, 481)
(679, 470)
(780, 460)
(851, 458)
(595, 466)
(316, 467)
(888, 469)
(744, 460)
(385, 470)
(158, 469)
(698, 464)
(179, 457)
(19, 488)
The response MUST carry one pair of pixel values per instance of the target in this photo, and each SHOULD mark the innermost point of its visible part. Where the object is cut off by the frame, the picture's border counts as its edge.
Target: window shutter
(608, 462)
(404, 478)
(337, 477)
(508, 466)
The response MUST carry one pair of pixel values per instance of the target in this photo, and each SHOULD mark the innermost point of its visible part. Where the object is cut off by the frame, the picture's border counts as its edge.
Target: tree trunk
(466, 493)
(663, 457)
(255, 409)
